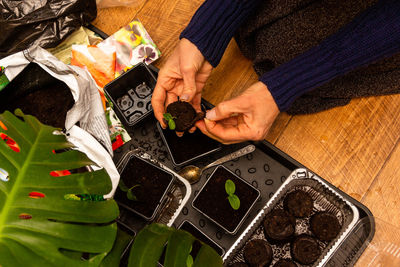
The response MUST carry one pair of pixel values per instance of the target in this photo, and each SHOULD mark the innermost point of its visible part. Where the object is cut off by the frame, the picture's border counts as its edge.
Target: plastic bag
(115, 3)
(41, 71)
(42, 22)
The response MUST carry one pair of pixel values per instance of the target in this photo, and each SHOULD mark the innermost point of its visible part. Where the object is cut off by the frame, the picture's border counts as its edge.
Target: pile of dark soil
(37, 93)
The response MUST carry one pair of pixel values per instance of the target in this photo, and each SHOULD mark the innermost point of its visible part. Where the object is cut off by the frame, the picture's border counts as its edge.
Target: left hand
(183, 76)
(246, 117)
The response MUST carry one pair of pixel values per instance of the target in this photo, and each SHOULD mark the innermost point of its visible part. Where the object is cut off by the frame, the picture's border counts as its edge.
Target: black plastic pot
(131, 93)
(212, 200)
(200, 235)
(189, 147)
(149, 184)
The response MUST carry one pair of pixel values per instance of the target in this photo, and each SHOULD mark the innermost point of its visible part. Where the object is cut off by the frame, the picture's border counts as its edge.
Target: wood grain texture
(348, 145)
(355, 147)
(110, 20)
(383, 196)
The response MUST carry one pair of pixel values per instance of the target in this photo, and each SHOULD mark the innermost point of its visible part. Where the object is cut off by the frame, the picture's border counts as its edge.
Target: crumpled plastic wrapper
(41, 22)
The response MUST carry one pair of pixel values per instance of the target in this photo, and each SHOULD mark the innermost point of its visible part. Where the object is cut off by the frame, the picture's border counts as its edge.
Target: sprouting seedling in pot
(170, 120)
(233, 199)
(129, 193)
(189, 259)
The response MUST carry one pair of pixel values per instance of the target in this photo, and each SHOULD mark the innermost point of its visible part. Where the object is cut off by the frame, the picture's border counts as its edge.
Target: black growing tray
(276, 166)
(266, 168)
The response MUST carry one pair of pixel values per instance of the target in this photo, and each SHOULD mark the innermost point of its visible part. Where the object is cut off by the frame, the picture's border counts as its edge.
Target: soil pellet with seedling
(184, 115)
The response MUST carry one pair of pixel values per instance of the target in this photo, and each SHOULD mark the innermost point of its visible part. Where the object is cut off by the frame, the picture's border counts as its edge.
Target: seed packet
(133, 45)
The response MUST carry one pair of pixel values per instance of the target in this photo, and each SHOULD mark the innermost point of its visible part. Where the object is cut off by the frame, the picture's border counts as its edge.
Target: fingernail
(210, 114)
(209, 122)
(184, 97)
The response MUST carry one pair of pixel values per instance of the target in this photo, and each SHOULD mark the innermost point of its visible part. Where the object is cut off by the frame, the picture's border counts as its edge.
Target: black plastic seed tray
(131, 93)
(266, 169)
(183, 150)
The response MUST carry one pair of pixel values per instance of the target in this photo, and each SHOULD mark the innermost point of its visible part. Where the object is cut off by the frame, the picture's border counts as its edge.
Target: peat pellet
(298, 203)
(258, 253)
(325, 226)
(305, 249)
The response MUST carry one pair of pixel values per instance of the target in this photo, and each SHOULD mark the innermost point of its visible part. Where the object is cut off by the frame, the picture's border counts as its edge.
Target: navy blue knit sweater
(372, 35)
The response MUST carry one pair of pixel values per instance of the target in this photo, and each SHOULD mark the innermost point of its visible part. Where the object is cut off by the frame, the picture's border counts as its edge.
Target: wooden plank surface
(355, 147)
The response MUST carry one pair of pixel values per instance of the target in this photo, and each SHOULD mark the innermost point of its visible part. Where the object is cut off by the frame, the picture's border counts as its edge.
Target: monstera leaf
(39, 224)
(151, 241)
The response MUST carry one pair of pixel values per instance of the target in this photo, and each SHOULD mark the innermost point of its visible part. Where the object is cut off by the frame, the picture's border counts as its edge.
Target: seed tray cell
(131, 94)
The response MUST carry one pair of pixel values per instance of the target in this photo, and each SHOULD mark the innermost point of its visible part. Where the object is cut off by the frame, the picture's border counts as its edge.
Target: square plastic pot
(212, 200)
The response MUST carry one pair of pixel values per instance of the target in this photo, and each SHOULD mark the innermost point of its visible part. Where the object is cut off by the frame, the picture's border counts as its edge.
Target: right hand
(248, 116)
(183, 75)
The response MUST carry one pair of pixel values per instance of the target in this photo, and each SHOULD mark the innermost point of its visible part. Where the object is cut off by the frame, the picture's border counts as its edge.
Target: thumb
(189, 84)
(226, 109)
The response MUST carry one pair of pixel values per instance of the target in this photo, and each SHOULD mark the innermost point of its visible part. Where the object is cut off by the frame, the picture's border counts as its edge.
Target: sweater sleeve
(372, 35)
(214, 24)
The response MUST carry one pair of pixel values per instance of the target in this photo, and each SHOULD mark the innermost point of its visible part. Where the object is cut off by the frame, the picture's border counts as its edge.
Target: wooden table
(355, 147)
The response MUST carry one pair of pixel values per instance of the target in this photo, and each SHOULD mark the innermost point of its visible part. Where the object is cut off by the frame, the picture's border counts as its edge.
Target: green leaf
(167, 116)
(130, 195)
(234, 201)
(48, 230)
(178, 249)
(149, 245)
(170, 120)
(207, 257)
(122, 186)
(171, 124)
(189, 261)
(230, 187)
(121, 242)
(151, 240)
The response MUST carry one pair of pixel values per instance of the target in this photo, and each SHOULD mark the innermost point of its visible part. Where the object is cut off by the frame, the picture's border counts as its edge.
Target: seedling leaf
(170, 120)
(230, 187)
(234, 201)
(171, 124)
(189, 261)
(130, 195)
(122, 186)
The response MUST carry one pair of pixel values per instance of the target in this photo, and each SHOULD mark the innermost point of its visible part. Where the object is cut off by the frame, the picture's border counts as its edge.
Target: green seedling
(170, 120)
(129, 193)
(233, 199)
(189, 259)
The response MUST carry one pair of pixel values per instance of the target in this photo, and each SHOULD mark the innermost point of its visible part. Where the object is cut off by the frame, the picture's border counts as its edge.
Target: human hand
(246, 117)
(183, 75)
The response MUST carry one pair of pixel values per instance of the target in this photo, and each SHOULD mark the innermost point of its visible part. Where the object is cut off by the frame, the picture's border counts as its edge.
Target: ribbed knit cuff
(214, 24)
(373, 35)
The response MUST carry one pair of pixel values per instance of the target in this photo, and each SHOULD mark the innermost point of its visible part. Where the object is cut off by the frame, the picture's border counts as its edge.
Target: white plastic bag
(87, 110)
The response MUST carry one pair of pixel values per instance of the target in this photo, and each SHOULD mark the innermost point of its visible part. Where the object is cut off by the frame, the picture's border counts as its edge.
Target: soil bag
(62, 96)
(43, 23)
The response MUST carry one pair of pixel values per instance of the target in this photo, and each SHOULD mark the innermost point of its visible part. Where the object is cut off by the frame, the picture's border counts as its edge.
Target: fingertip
(192, 130)
(179, 134)
(211, 114)
(185, 97)
(209, 124)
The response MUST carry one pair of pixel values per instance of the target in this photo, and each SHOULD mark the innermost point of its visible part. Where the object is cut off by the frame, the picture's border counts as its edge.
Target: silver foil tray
(325, 199)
